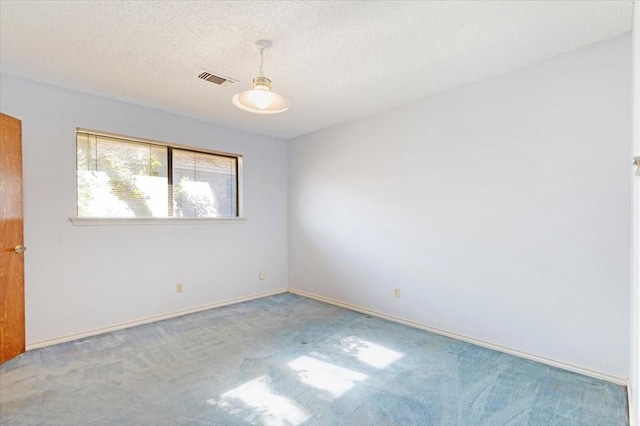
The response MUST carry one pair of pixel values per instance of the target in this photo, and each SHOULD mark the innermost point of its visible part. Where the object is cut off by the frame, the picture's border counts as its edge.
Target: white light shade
(260, 101)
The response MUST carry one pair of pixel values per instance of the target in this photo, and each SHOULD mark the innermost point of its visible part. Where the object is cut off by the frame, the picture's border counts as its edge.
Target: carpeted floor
(287, 360)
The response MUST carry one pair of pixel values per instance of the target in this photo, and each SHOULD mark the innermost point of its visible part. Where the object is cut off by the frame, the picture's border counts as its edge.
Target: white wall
(82, 278)
(501, 209)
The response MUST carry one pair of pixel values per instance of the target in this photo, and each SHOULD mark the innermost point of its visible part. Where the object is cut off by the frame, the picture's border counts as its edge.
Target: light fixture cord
(261, 62)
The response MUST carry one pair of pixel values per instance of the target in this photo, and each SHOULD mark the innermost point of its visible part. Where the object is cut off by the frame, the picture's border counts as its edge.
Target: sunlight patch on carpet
(325, 376)
(265, 407)
(370, 353)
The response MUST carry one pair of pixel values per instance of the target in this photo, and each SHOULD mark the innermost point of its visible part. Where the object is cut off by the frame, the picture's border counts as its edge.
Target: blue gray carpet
(288, 360)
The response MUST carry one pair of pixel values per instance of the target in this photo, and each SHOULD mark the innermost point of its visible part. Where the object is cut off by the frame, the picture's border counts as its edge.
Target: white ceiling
(335, 61)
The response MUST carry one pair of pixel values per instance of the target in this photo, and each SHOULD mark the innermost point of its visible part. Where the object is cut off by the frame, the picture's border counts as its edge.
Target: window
(121, 177)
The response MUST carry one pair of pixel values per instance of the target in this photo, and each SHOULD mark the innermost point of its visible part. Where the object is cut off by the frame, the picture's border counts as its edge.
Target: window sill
(100, 221)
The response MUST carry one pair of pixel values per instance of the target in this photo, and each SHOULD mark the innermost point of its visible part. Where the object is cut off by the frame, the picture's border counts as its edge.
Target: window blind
(123, 178)
(204, 185)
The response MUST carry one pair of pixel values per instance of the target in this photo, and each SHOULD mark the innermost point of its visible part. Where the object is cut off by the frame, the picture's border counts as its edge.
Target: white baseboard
(499, 348)
(130, 324)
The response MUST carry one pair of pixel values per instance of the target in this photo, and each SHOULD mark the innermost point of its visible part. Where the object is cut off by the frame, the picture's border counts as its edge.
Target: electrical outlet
(262, 274)
(178, 288)
(396, 292)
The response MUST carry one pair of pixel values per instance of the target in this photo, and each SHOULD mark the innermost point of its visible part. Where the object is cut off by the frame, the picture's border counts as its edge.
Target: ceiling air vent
(217, 79)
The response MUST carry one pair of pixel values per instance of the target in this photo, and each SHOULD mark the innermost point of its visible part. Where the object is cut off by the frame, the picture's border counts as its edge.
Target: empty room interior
(319, 213)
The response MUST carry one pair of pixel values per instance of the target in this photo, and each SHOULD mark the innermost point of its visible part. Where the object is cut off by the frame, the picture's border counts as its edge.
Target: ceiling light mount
(262, 45)
(261, 100)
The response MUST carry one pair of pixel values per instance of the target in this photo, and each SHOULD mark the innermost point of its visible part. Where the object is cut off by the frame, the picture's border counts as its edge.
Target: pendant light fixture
(261, 100)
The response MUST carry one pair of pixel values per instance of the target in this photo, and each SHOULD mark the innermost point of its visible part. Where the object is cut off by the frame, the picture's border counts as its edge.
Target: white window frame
(91, 221)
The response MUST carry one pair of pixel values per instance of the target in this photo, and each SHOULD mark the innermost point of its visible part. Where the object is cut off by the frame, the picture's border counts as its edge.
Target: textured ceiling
(335, 61)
